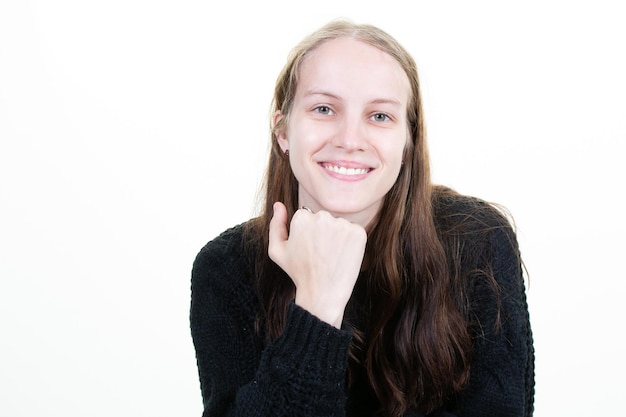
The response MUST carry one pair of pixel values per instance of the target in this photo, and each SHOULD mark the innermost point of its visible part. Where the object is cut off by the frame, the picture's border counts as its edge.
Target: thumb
(278, 232)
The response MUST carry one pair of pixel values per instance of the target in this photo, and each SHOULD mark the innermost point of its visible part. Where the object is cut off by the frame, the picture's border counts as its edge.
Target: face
(347, 128)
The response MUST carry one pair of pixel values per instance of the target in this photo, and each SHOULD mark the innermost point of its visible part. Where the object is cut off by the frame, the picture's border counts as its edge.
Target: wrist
(323, 309)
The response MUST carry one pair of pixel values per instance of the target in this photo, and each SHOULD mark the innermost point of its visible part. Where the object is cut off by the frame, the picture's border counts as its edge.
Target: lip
(346, 170)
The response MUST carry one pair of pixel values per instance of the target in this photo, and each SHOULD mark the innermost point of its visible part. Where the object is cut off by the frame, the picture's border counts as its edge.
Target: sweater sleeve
(301, 373)
(502, 373)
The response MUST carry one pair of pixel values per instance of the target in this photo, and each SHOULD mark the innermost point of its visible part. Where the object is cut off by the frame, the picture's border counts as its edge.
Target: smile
(345, 171)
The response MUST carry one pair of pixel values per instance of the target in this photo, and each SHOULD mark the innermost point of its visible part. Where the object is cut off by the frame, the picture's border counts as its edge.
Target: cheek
(307, 137)
(394, 149)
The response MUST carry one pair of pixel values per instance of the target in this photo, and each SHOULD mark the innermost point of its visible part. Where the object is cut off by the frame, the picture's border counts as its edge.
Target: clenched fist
(322, 255)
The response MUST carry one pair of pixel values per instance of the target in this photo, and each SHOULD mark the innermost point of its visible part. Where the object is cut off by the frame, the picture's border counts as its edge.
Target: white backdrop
(132, 132)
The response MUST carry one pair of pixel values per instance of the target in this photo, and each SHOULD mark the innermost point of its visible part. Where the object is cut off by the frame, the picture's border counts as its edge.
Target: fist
(322, 255)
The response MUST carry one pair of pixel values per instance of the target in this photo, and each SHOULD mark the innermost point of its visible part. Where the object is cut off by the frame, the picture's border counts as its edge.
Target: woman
(361, 289)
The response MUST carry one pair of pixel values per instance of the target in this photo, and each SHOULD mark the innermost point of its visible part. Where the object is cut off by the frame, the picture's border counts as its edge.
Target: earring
(286, 152)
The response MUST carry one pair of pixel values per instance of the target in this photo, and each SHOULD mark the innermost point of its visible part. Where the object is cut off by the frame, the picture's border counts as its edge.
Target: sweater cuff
(311, 346)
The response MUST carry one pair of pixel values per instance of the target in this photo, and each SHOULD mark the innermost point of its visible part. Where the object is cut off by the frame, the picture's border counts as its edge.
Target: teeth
(347, 171)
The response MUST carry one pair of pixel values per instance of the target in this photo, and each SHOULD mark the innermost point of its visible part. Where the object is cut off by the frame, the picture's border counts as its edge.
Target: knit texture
(303, 372)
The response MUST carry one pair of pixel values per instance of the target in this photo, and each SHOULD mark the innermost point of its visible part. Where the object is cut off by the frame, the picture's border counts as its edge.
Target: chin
(343, 208)
(351, 211)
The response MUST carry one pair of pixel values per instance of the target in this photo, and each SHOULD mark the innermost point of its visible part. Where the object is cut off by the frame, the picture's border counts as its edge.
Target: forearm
(300, 373)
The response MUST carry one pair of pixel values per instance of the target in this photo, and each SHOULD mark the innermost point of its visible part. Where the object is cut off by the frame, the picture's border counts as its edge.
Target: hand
(322, 255)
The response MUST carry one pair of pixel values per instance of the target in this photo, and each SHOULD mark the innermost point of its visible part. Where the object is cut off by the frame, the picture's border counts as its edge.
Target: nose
(351, 134)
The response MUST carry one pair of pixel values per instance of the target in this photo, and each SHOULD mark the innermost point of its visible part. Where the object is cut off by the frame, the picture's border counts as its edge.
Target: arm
(501, 377)
(502, 374)
(300, 373)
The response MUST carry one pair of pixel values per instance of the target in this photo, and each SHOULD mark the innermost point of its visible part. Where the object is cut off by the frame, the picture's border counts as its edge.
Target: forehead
(352, 68)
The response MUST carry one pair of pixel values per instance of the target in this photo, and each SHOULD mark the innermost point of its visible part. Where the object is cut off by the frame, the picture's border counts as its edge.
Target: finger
(278, 234)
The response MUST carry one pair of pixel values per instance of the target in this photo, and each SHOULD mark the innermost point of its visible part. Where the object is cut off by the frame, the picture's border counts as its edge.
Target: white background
(132, 132)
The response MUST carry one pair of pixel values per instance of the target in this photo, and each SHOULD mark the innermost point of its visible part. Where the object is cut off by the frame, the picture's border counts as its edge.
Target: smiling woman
(388, 295)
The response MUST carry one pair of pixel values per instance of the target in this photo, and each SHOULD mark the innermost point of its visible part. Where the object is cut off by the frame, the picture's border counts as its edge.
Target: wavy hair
(414, 347)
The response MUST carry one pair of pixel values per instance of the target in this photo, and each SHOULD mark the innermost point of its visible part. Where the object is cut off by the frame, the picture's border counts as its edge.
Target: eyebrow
(387, 101)
(391, 101)
(320, 93)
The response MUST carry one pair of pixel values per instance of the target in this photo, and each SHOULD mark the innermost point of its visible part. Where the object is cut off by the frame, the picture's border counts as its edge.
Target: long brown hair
(414, 348)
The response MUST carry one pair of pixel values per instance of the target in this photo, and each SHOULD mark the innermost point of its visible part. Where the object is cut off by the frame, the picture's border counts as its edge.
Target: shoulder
(224, 262)
(455, 212)
(476, 235)
(225, 247)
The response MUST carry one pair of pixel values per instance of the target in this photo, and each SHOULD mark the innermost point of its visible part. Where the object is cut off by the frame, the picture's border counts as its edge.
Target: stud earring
(286, 152)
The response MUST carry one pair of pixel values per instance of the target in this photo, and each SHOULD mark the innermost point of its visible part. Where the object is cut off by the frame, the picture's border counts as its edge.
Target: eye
(380, 117)
(323, 110)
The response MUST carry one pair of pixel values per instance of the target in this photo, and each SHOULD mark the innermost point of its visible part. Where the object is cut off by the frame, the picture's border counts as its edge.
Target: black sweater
(303, 372)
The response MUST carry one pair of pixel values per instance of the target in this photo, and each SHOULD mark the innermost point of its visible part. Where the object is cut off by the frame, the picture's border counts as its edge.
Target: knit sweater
(303, 372)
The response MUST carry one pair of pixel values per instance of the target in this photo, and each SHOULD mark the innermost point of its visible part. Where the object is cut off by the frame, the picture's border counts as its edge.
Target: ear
(281, 134)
